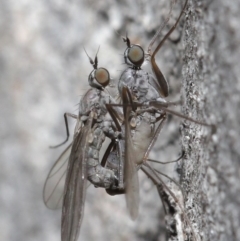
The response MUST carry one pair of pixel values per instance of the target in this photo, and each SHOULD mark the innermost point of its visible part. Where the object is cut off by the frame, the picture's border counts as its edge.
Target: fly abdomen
(142, 136)
(101, 177)
(98, 175)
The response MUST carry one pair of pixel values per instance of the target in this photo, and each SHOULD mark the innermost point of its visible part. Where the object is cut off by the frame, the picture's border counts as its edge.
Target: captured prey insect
(94, 124)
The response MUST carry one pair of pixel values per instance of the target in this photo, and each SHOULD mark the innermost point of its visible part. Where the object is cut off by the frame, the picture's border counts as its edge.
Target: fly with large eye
(80, 162)
(147, 92)
(146, 107)
(99, 78)
(133, 55)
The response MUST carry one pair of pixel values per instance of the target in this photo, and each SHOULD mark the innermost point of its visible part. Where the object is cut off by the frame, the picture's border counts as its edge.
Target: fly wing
(54, 185)
(130, 170)
(75, 185)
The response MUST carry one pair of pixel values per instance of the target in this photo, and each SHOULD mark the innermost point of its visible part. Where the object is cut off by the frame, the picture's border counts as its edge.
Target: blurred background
(43, 74)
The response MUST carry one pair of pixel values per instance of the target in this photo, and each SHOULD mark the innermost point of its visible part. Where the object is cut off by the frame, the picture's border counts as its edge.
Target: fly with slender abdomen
(146, 93)
(144, 88)
(145, 108)
(94, 124)
(147, 90)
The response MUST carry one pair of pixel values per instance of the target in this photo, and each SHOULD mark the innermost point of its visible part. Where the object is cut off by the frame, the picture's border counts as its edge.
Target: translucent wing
(54, 185)
(75, 185)
(130, 170)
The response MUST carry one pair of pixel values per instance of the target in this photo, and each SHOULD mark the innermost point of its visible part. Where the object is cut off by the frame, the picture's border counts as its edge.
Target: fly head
(133, 55)
(99, 78)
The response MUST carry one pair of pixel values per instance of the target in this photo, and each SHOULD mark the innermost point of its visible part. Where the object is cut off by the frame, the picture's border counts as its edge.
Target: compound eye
(136, 55)
(102, 76)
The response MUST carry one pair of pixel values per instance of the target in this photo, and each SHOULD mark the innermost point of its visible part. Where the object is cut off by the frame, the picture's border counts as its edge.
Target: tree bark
(210, 171)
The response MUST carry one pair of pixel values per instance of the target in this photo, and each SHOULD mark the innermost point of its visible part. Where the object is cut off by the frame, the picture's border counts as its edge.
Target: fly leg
(67, 129)
(167, 162)
(160, 106)
(161, 81)
(173, 214)
(174, 205)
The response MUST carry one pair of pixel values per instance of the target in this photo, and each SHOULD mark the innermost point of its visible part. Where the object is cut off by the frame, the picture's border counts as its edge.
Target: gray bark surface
(43, 73)
(210, 177)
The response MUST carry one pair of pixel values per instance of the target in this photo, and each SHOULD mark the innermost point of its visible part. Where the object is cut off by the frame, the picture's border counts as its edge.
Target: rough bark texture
(210, 177)
(43, 70)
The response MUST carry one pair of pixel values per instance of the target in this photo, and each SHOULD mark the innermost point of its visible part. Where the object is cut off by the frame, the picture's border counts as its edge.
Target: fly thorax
(152, 93)
(140, 88)
(88, 100)
(126, 79)
(102, 106)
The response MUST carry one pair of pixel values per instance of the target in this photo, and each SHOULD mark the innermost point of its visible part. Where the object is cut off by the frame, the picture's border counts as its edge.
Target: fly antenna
(90, 59)
(95, 65)
(95, 62)
(126, 40)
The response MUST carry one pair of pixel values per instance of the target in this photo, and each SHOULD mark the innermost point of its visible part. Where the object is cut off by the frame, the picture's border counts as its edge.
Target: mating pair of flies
(133, 126)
